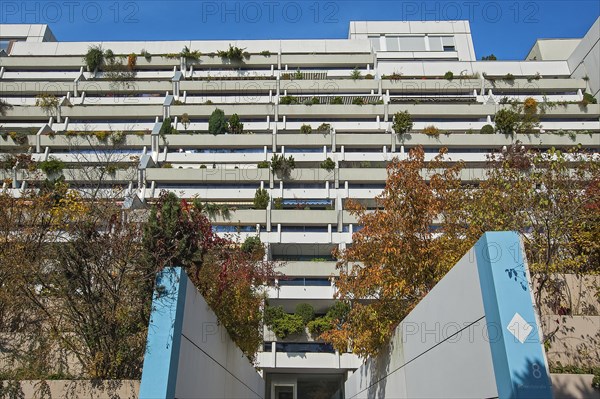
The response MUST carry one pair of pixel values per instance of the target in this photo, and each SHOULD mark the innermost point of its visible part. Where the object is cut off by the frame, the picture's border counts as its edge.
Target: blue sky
(506, 28)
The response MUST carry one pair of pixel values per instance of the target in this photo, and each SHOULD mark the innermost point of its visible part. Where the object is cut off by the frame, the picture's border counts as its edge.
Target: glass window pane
(375, 43)
(435, 43)
(412, 43)
(448, 40)
(392, 43)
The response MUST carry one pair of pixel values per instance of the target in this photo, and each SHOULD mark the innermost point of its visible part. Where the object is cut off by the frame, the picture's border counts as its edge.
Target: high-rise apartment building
(329, 104)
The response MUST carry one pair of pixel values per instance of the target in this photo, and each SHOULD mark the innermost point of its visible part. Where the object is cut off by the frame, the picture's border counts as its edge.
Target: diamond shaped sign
(519, 328)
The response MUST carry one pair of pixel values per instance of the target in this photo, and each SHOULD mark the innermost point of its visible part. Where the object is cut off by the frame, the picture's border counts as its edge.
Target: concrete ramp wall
(188, 354)
(475, 335)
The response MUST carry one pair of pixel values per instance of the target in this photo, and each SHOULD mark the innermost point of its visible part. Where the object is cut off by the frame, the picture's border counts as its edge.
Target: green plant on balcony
(185, 120)
(324, 128)
(490, 57)
(369, 76)
(358, 101)
(234, 54)
(166, 128)
(4, 106)
(506, 121)
(431, 131)
(537, 76)
(102, 135)
(146, 55)
(263, 165)
(282, 166)
(265, 53)
(217, 123)
(94, 58)
(298, 75)
(253, 246)
(202, 166)
(119, 75)
(312, 101)
(19, 138)
(587, 99)
(166, 165)
(335, 316)
(282, 323)
(190, 55)
(52, 166)
(487, 129)
(305, 311)
(328, 164)
(509, 77)
(178, 102)
(306, 129)
(111, 169)
(261, 199)
(118, 138)
(449, 75)
(355, 74)
(402, 122)
(47, 102)
(235, 126)
(288, 100)
(393, 77)
(278, 203)
(208, 102)
(337, 100)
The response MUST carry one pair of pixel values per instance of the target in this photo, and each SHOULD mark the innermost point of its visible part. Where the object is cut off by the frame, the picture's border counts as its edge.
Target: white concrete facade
(359, 83)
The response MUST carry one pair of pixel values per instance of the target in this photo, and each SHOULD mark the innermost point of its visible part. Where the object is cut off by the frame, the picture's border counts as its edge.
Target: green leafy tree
(261, 199)
(94, 58)
(217, 123)
(507, 121)
(235, 126)
(402, 122)
(305, 311)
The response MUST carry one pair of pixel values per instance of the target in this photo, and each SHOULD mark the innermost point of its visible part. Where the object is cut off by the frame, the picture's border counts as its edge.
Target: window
(391, 43)
(441, 43)
(412, 43)
(448, 43)
(375, 45)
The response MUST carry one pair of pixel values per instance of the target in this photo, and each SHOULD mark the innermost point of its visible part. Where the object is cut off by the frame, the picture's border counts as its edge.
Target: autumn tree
(397, 258)
(552, 200)
(229, 276)
(427, 219)
(83, 292)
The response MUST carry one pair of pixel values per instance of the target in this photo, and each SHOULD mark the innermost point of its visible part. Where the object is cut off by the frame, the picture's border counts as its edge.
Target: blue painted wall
(517, 353)
(161, 360)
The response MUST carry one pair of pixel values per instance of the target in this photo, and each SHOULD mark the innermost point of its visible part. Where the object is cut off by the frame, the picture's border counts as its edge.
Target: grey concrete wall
(585, 59)
(210, 363)
(424, 359)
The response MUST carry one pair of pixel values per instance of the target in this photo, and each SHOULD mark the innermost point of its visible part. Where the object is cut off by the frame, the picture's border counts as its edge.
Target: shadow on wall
(533, 379)
(378, 371)
(567, 386)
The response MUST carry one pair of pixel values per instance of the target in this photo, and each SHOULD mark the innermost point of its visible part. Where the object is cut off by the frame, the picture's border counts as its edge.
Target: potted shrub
(217, 123)
(487, 129)
(282, 166)
(261, 199)
(328, 164)
(402, 122)
(306, 129)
